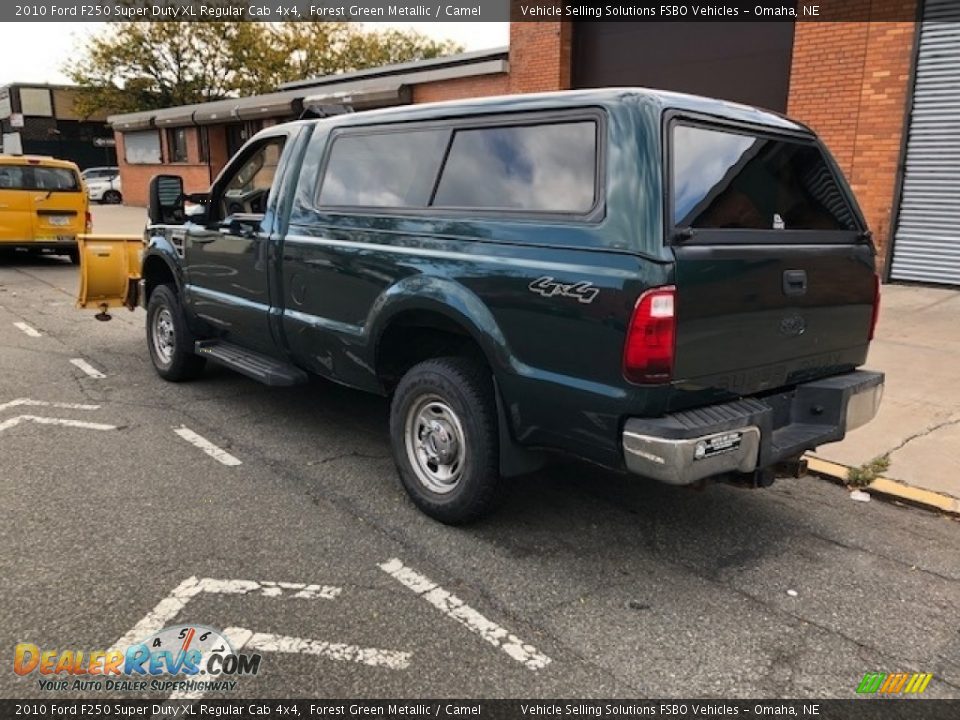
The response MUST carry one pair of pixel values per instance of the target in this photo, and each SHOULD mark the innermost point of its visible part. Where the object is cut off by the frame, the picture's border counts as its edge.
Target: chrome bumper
(743, 436)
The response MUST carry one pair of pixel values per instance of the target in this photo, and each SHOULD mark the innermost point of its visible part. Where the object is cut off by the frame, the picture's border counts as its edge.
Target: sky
(35, 52)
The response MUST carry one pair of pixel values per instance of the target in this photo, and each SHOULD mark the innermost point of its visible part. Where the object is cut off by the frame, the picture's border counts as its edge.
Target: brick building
(861, 85)
(40, 119)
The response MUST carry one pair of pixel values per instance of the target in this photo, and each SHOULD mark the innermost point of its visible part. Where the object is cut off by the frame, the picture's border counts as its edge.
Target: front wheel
(169, 339)
(443, 429)
(111, 197)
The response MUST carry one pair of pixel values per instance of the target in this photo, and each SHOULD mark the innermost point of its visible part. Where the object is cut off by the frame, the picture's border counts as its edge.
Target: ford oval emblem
(793, 325)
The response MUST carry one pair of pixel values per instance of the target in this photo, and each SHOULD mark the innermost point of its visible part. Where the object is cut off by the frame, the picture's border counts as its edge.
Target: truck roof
(605, 97)
(42, 160)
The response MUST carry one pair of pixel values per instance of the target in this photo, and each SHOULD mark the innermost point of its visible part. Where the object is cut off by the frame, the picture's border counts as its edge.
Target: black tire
(74, 255)
(456, 394)
(173, 356)
(112, 197)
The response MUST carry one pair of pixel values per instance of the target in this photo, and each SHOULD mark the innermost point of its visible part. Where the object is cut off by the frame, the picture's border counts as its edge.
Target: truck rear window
(732, 180)
(26, 177)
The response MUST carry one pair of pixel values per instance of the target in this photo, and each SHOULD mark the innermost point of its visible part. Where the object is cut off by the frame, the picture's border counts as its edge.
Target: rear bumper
(751, 433)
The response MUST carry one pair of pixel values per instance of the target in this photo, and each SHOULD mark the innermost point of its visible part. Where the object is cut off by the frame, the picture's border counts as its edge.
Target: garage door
(747, 62)
(927, 241)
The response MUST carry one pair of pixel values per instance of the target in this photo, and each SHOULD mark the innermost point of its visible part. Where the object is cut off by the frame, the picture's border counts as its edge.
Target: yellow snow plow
(109, 272)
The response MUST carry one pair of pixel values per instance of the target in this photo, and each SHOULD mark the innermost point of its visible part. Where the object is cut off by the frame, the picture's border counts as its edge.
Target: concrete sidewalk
(917, 345)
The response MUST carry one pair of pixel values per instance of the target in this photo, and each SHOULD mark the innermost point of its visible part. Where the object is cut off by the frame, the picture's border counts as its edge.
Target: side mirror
(166, 200)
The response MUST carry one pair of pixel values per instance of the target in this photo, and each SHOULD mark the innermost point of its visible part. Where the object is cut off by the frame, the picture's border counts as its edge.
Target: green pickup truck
(667, 285)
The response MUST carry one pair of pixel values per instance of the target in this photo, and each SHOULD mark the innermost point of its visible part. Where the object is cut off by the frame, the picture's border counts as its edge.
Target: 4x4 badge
(581, 291)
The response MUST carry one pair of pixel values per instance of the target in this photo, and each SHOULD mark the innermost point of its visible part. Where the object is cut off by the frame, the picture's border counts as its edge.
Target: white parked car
(103, 184)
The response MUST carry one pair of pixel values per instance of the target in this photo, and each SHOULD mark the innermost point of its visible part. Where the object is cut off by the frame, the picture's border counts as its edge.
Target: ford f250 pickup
(672, 286)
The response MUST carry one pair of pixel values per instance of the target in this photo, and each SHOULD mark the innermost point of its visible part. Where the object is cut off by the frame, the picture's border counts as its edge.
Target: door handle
(203, 239)
(795, 282)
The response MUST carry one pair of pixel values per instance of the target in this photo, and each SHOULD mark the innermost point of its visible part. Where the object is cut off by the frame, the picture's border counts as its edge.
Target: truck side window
(386, 169)
(248, 189)
(540, 168)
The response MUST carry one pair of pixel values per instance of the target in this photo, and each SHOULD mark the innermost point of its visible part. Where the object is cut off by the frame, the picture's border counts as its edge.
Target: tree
(134, 66)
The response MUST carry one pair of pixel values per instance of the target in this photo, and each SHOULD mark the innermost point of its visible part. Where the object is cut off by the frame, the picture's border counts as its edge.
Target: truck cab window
(246, 191)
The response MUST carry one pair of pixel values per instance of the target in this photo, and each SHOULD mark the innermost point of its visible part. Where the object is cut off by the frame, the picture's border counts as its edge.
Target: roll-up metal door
(927, 240)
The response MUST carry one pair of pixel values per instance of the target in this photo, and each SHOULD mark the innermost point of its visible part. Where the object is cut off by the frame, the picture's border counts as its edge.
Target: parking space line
(43, 403)
(87, 368)
(29, 331)
(172, 604)
(63, 422)
(454, 608)
(269, 642)
(208, 447)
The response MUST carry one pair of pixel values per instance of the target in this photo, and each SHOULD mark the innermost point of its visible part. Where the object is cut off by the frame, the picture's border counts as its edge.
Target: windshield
(732, 180)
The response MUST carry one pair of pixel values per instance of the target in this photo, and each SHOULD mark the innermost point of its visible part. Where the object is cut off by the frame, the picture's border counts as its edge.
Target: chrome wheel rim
(435, 444)
(164, 337)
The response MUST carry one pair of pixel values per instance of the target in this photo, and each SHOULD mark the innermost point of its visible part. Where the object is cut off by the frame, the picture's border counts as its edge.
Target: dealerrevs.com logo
(202, 656)
(894, 683)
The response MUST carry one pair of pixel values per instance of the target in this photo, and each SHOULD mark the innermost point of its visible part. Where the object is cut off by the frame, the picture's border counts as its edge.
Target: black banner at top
(373, 11)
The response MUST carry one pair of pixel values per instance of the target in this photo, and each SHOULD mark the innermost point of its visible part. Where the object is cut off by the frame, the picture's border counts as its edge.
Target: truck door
(226, 260)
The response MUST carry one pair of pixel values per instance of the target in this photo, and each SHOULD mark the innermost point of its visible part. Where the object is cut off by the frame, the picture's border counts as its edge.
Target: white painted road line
(29, 331)
(453, 607)
(21, 402)
(168, 608)
(64, 422)
(244, 639)
(268, 642)
(208, 447)
(87, 368)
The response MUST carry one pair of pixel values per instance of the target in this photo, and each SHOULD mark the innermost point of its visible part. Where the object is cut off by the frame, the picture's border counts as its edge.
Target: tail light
(876, 306)
(88, 218)
(651, 338)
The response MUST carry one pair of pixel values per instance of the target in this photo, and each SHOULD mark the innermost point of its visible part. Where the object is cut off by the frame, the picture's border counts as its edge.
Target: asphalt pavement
(121, 492)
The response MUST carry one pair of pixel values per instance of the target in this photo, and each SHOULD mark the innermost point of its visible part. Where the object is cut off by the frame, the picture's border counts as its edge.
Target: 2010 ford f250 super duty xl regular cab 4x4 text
(677, 287)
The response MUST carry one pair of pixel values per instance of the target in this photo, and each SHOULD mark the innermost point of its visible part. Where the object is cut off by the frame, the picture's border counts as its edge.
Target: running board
(252, 364)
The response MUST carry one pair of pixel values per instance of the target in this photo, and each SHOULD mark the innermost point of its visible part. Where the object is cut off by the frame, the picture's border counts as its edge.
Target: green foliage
(132, 66)
(868, 472)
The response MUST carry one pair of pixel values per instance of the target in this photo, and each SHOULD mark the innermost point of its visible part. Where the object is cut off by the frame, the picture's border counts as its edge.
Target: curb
(885, 487)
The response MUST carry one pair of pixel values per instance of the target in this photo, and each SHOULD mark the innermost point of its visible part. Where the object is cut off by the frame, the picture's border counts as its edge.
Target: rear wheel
(111, 197)
(443, 428)
(74, 255)
(169, 339)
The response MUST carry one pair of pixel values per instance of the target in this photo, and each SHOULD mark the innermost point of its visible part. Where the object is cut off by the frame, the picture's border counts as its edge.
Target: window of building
(388, 169)
(142, 148)
(539, 168)
(203, 141)
(36, 102)
(177, 145)
(733, 180)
